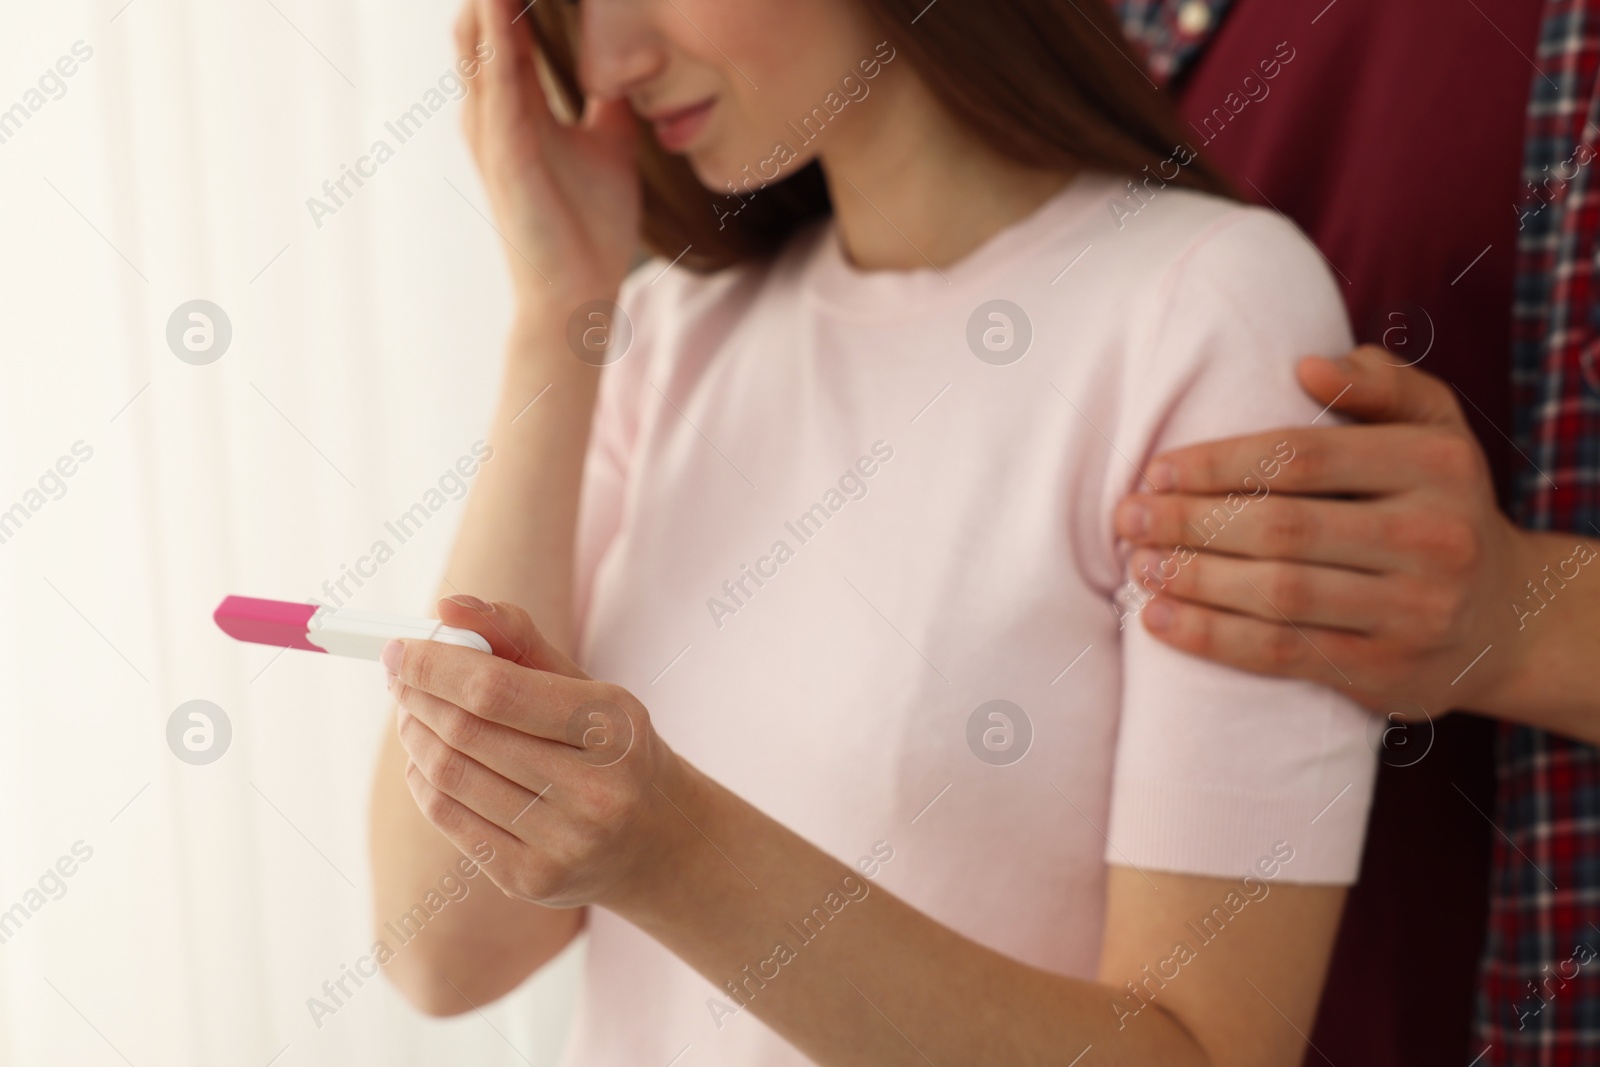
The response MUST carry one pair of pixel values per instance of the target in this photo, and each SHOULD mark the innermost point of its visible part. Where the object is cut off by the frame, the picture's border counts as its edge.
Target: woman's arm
(1382, 566)
(584, 804)
(885, 984)
(567, 202)
(516, 540)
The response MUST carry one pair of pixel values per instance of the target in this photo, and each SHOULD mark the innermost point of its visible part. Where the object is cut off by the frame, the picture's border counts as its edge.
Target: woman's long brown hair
(1050, 84)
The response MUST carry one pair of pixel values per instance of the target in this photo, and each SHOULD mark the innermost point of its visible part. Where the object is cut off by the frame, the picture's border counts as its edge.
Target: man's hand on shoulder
(1374, 559)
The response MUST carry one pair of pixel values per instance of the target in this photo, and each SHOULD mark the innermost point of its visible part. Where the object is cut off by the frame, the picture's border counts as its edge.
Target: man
(1438, 153)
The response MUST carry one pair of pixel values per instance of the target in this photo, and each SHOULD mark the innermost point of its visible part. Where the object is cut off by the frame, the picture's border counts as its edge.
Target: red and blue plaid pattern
(1170, 32)
(1539, 988)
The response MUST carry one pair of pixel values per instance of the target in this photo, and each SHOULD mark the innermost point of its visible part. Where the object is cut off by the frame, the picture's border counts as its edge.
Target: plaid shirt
(1539, 980)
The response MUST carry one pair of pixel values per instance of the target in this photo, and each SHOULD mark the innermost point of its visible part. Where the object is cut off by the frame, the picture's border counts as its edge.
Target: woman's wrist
(669, 854)
(554, 305)
(538, 353)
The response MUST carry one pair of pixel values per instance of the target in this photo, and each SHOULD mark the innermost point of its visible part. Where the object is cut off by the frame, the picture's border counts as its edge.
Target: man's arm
(1375, 561)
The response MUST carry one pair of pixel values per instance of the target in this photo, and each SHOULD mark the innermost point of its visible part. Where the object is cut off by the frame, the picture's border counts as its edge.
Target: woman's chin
(736, 175)
(712, 169)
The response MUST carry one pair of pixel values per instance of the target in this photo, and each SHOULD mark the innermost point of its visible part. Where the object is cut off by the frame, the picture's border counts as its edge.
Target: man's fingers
(1337, 533)
(1328, 597)
(1255, 645)
(1319, 460)
(1367, 385)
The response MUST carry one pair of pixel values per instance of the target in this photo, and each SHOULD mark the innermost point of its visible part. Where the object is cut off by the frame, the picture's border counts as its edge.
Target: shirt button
(1194, 18)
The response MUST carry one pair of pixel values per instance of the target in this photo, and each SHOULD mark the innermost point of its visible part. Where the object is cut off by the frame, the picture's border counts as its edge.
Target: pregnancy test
(342, 632)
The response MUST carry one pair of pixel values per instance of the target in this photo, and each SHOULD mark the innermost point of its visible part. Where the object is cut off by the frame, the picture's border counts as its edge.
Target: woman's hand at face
(559, 773)
(566, 198)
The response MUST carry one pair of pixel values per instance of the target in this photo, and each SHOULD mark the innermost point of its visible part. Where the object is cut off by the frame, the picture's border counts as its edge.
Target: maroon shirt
(1393, 135)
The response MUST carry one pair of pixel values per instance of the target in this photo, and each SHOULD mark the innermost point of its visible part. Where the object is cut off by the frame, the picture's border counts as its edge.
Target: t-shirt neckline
(836, 286)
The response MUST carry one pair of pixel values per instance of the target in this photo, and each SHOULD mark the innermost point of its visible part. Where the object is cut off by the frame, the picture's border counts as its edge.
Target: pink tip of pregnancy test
(266, 622)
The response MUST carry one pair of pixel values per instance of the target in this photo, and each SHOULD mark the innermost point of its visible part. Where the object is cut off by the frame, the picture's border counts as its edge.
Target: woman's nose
(619, 46)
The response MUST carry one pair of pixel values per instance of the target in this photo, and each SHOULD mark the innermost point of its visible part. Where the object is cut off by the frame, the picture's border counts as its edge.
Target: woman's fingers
(537, 702)
(499, 56)
(465, 828)
(519, 713)
(510, 70)
(611, 120)
(552, 836)
(466, 30)
(518, 31)
(459, 776)
(566, 199)
(531, 763)
(510, 632)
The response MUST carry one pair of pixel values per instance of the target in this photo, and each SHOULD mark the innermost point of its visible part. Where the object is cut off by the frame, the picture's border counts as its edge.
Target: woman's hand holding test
(559, 773)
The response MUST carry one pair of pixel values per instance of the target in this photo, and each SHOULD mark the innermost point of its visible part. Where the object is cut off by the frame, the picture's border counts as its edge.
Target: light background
(177, 166)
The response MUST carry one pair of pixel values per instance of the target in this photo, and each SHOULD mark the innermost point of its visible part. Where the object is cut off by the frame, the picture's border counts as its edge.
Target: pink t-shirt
(848, 535)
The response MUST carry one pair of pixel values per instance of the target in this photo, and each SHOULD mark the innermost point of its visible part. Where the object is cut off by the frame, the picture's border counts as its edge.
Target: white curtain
(154, 911)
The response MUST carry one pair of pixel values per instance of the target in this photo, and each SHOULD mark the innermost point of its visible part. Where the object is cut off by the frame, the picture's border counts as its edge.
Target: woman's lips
(675, 130)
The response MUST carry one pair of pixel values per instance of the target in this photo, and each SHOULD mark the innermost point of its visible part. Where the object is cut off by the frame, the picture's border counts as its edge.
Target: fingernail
(393, 654)
(468, 601)
(1163, 475)
(1158, 616)
(1344, 363)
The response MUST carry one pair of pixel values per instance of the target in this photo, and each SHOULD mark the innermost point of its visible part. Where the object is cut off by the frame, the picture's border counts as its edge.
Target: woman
(870, 770)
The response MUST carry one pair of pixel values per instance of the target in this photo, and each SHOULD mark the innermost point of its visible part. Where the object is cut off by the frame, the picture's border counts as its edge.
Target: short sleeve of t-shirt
(1215, 766)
